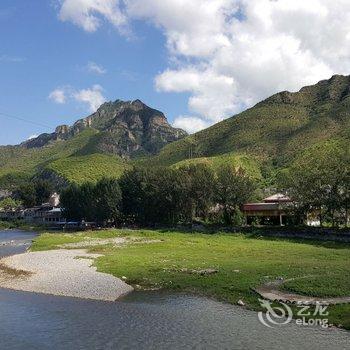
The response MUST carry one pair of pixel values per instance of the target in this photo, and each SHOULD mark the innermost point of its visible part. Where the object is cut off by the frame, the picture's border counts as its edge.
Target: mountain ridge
(129, 127)
(276, 129)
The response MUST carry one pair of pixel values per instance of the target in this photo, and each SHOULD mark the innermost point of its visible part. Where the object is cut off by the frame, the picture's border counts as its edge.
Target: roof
(55, 210)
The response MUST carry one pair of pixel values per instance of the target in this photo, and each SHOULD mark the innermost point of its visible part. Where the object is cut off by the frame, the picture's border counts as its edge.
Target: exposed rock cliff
(126, 128)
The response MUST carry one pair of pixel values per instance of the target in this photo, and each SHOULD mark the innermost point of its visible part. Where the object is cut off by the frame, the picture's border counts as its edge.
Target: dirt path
(271, 291)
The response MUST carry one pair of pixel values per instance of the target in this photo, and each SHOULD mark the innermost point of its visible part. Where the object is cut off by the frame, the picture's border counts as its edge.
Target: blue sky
(39, 53)
(198, 61)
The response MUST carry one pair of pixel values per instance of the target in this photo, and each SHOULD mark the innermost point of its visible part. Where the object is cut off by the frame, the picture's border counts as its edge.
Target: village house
(273, 210)
(46, 213)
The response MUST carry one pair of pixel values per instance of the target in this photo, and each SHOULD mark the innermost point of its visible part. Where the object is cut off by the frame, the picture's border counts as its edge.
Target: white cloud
(190, 124)
(88, 14)
(212, 95)
(93, 67)
(58, 95)
(92, 97)
(229, 54)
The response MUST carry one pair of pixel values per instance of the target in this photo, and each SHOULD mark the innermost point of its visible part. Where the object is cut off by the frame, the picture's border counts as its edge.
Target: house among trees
(11, 214)
(45, 213)
(273, 210)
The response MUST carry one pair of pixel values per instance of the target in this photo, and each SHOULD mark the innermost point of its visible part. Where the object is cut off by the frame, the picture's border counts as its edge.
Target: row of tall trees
(166, 196)
(99, 202)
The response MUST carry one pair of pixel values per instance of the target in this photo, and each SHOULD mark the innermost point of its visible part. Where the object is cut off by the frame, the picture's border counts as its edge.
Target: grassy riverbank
(170, 262)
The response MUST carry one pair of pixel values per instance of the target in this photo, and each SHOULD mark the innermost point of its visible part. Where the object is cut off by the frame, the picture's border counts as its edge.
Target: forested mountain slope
(277, 130)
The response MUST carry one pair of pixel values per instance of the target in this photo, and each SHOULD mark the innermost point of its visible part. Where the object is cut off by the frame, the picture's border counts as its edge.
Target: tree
(200, 190)
(234, 188)
(168, 196)
(10, 204)
(34, 193)
(27, 194)
(318, 181)
(345, 191)
(133, 187)
(108, 200)
(43, 190)
(157, 195)
(88, 201)
(70, 199)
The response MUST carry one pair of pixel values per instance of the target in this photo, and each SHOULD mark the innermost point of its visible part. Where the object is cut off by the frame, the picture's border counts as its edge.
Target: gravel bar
(62, 272)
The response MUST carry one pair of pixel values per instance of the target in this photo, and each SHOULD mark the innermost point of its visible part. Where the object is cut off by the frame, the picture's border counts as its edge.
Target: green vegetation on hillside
(18, 164)
(238, 161)
(89, 168)
(275, 131)
(26, 162)
(170, 262)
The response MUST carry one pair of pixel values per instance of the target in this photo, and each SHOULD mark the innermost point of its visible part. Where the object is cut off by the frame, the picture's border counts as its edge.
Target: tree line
(167, 196)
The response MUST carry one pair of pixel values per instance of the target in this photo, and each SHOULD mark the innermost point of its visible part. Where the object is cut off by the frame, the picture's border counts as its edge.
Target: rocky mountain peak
(62, 130)
(126, 128)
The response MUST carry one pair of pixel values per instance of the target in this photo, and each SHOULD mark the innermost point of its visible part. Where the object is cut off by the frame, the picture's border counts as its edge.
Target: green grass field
(242, 263)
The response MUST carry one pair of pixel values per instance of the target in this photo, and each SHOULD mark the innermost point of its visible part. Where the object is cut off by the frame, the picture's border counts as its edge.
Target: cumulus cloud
(229, 54)
(190, 124)
(212, 95)
(88, 14)
(58, 95)
(93, 67)
(91, 97)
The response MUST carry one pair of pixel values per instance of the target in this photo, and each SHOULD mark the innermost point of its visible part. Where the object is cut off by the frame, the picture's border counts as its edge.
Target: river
(142, 321)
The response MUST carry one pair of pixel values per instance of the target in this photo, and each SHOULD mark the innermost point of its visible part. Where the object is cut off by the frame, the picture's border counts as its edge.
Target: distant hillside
(275, 131)
(93, 147)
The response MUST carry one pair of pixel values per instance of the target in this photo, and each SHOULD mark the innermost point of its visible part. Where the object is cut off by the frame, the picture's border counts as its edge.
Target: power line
(25, 120)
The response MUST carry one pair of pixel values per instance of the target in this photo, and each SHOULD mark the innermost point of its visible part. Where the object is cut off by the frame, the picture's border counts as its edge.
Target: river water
(142, 321)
